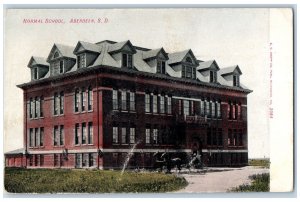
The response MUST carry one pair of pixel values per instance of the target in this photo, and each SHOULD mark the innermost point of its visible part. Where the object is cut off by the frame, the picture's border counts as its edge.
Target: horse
(165, 161)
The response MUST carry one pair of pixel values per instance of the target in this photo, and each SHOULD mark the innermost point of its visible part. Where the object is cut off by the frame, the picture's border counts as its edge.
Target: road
(218, 179)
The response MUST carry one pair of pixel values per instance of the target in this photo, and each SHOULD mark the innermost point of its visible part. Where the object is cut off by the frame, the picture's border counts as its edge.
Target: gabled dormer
(86, 53)
(156, 58)
(61, 59)
(39, 67)
(184, 62)
(232, 75)
(209, 70)
(123, 53)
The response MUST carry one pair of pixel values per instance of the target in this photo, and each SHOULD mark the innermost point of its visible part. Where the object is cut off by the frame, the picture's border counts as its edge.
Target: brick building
(87, 106)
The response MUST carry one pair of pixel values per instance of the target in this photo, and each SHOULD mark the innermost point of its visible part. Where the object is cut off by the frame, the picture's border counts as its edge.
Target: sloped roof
(65, 50)
(38, 60)
(140, 64)
(230, 70)
(207, 65)
(177, 56)
(118, 46)
(153, 53)
(17, 151)
(104, 58)
(87, 46)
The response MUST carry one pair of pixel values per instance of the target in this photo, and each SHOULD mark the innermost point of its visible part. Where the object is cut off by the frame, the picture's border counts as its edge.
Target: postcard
(185, 100)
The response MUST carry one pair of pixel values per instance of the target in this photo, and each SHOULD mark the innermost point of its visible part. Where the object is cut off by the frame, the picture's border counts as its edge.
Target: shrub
(260, 183)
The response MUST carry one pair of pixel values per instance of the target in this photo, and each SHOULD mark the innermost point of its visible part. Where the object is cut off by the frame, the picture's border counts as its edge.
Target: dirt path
(219, 179)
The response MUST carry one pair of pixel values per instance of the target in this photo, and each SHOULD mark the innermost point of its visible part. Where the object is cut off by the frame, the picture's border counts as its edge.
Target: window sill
(58, 115)
(58, 146)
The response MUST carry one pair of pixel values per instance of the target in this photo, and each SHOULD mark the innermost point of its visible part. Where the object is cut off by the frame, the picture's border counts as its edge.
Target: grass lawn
(18, 180)
(264, 163)
(260, 183)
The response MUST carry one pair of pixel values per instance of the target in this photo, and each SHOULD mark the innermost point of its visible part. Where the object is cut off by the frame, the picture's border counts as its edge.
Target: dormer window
(188, 72)
(127, 60)
(189, 60)
(212, 76)
(81, 61)
(35, 73)
(236, 80)
(61, 67)
(161, 67)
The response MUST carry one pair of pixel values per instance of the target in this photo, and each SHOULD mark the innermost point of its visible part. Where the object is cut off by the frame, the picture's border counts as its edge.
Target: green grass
(18, 180)
(264, 163)
(260, 183)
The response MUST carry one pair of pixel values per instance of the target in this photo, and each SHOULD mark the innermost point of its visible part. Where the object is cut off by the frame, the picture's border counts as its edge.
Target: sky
(229, 36)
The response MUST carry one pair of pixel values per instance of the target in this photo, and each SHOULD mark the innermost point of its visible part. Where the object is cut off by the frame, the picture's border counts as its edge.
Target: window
(183, 72)
(192, 108)
(188, 72)
(236, 80)
(132, 135)
(76, 100)
(162, 104)
(90, 98)
(81, 61)
(239, 111)
(31, 137)
(30, 160)
(61, 66)
(41, 136)
(218, 109)
(123, 100)
(212, 76)
(61, 102)
(91, 159)
(83, 99)
(147, 103)
(115, 135)
(61, 135)
(58, 103)
(147, 135)
(83, 133)
(234, 137)
(35, 114)
(194, 73)
(35, 73)
(207, 108)
(78, 160)
(161, 67)
(155, 136)
(213, 109)
(36, 160)
(233, 111)
(36, 137)
(31, 108)
(85, 160)
(77, 135)
(202, 112)
(126, 60)
(169, 104)
(115, 99)
(186, 107)
(179, 107)
(132, 101)
(41, 106)
(56, 136)
(154, 97)
(90, 133)
(124, 135)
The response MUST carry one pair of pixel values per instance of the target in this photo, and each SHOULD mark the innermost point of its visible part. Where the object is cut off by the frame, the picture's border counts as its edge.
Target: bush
(87, 181)
(265, 163)
(260, 183)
